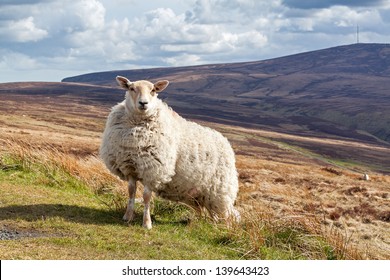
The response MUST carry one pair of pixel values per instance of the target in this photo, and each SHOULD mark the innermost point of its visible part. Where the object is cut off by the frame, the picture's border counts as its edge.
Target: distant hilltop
(341, 90)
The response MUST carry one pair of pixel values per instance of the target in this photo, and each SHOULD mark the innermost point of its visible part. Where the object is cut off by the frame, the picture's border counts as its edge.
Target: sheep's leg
(147, 221)
(236, 215)
(132, 187)
(232, 216)
(226, 213)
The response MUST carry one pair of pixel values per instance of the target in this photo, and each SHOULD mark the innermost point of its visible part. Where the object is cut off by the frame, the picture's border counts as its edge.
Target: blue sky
(47, 40)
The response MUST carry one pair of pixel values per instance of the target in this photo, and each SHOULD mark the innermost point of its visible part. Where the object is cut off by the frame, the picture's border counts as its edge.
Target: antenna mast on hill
(357, 34)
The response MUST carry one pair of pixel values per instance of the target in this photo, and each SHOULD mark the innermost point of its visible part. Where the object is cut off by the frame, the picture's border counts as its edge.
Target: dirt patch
(12, 234)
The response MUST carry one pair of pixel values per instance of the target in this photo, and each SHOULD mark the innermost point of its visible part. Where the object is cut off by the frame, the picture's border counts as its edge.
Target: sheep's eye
(132, 89)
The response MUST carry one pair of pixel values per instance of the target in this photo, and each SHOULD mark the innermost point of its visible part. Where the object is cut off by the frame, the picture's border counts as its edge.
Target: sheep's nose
(143, 103)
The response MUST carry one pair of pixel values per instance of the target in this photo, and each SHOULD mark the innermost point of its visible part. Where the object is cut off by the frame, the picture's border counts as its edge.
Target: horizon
(184, 66)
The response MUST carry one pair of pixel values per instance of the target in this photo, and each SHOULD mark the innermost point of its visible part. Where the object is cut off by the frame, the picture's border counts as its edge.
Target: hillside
(57, 201)
(86, 105)
(336, 94)
(301, 191)
(340, 91)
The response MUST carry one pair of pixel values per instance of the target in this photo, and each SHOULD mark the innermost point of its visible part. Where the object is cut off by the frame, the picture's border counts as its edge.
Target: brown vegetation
(279, 183)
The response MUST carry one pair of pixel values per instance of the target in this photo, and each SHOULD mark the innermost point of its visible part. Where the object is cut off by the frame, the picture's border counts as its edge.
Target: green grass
(60, 216)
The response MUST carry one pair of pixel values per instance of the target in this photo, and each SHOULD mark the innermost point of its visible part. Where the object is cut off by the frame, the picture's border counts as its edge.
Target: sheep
(179, 160)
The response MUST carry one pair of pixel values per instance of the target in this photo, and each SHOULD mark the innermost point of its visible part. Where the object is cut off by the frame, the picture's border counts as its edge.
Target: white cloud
(162, 32)
(17, 61)
(70, 16)
(183, 59)
(23, 30)
(91, 13)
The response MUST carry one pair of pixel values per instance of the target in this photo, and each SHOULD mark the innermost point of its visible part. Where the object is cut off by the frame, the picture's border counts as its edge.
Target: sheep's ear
(160, 85)
(123, 82)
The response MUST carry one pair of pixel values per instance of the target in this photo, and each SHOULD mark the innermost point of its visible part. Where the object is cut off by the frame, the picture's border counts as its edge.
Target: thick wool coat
(177, 159)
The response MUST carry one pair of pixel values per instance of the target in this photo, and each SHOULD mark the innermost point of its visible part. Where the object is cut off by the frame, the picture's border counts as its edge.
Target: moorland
(302, 193)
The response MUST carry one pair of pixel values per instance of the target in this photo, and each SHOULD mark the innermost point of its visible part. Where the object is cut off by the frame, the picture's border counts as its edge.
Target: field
(57, 200)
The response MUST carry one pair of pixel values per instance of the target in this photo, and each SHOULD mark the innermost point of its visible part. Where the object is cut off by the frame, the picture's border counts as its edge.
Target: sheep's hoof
(128, 217)
(147, 225)
(236, 216)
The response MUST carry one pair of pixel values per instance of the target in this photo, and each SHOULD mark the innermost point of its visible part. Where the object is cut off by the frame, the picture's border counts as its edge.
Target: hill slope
(301, 95)
(340, 91)
(58, 200)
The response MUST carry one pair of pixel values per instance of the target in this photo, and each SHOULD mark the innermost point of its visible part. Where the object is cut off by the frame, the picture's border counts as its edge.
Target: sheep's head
(141, 96)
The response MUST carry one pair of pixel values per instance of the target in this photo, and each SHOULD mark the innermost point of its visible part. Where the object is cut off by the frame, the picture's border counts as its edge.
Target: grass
(64, 206)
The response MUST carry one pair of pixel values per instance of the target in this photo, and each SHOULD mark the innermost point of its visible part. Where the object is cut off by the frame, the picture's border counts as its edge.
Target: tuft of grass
(293, 237)
(50, 160)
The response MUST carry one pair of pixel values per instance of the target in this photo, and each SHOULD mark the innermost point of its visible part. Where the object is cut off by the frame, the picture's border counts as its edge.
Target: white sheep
(145, 140)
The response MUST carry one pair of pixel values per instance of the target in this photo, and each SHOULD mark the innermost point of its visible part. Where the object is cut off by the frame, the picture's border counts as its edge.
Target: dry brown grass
(351, 214)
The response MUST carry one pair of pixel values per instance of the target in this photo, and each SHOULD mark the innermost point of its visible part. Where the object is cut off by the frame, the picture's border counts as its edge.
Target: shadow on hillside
(73, 213)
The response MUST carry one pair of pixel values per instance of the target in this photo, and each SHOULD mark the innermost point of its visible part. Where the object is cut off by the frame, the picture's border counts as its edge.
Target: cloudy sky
(47, 40)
